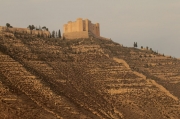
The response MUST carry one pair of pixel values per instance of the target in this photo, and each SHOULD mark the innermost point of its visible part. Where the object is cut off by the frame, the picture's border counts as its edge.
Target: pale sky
(152, 23)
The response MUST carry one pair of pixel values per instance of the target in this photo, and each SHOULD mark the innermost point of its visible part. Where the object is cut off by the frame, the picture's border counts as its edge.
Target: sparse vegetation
(135, 44)
(8, 25)
(31, 27)
(147, 47)
(59, 33)
(70, 78)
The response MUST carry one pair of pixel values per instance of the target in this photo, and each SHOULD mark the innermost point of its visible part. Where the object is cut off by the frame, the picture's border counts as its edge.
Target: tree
(31, 27)
(8, 25)
(59, 34)
(134, 44)
(44, 27)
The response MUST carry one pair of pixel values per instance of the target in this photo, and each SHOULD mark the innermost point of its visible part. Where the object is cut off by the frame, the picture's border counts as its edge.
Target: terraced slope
(163, 69)
(83, 78)
(16, 91)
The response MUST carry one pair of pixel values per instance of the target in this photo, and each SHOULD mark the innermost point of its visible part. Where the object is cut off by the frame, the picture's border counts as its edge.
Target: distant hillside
(50, 78)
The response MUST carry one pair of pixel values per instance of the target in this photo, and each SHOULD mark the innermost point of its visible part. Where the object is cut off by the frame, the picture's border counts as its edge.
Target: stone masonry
(25, 31)
(81, 29)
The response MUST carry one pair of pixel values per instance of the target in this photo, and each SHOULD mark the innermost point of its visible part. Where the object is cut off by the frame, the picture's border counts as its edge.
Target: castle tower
(79, 24)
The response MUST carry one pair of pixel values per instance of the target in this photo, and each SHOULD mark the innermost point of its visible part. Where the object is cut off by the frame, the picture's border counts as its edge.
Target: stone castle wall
(26, 31)
(75, 35)
(81, 29)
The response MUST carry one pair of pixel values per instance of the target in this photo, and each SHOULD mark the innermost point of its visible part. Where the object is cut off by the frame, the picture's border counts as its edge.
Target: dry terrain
(50, 78)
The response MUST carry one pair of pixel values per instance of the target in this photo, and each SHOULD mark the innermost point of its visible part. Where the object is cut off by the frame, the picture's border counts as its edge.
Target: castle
(72, 30)
(81, 29)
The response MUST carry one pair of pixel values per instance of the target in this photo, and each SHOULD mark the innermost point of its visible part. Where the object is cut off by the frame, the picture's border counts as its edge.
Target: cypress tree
(59, 34)
(147, 47)
(135, 44)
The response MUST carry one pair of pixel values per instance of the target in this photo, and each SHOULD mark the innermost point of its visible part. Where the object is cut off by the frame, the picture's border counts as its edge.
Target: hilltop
(87, 78)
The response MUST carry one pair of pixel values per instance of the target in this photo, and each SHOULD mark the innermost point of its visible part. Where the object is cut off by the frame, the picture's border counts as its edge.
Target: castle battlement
(81, 29)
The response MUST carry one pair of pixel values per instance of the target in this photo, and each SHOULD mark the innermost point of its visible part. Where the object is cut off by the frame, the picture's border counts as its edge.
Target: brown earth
(85, 79)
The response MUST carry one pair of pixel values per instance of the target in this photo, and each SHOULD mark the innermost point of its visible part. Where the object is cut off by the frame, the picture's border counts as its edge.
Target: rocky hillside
(43, 78)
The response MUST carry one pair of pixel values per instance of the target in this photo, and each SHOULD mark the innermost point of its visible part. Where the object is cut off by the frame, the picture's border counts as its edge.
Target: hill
(91, 78)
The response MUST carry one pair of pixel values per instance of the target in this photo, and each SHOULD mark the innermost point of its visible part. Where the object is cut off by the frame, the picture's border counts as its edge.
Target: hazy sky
(152, 23)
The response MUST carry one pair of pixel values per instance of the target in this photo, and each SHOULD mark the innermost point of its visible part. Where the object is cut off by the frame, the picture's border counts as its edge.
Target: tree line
(54, 34)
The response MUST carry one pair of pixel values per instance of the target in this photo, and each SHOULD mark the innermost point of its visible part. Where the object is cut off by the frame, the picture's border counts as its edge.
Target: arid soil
(51, 78)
